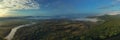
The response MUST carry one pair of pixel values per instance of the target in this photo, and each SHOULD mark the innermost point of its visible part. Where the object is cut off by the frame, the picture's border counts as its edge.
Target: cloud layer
(114, 3)
(114, 13)
(19, 4)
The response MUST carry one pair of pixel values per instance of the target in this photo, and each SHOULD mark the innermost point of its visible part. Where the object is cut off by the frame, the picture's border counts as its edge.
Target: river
(14, 30)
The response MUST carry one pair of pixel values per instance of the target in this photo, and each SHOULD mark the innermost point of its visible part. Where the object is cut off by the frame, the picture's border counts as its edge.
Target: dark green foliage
(52, 30)
(106, 30)
(109, 29)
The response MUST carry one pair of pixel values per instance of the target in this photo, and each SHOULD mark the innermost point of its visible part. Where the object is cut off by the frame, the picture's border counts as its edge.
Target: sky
(57, 7)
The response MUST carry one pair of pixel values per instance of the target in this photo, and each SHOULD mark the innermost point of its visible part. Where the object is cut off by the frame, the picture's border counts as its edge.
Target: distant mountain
(66, 16)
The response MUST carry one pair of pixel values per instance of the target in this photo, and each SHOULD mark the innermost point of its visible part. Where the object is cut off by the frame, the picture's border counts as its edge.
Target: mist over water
(72, 16)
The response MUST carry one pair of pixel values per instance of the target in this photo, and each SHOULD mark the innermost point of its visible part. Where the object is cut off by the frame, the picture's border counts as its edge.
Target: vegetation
(52, 30)
(72, 30)
(109, 29)
(7, 25)
(62, 29)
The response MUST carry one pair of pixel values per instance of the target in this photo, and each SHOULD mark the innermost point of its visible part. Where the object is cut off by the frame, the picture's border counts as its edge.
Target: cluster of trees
(72, 30)
(109, 29)
(51, 30)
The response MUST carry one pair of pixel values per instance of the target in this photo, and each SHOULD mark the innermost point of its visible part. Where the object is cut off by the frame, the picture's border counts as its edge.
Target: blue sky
(58, 7)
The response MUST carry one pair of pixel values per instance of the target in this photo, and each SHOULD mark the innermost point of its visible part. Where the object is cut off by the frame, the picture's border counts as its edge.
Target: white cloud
(19, 4)
(7, 6)
(113, 13)
(87, 19)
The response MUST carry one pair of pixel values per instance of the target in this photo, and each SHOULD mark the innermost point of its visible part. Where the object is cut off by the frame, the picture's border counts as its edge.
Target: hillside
(65, 29)
(52, 30)
(71, 30)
